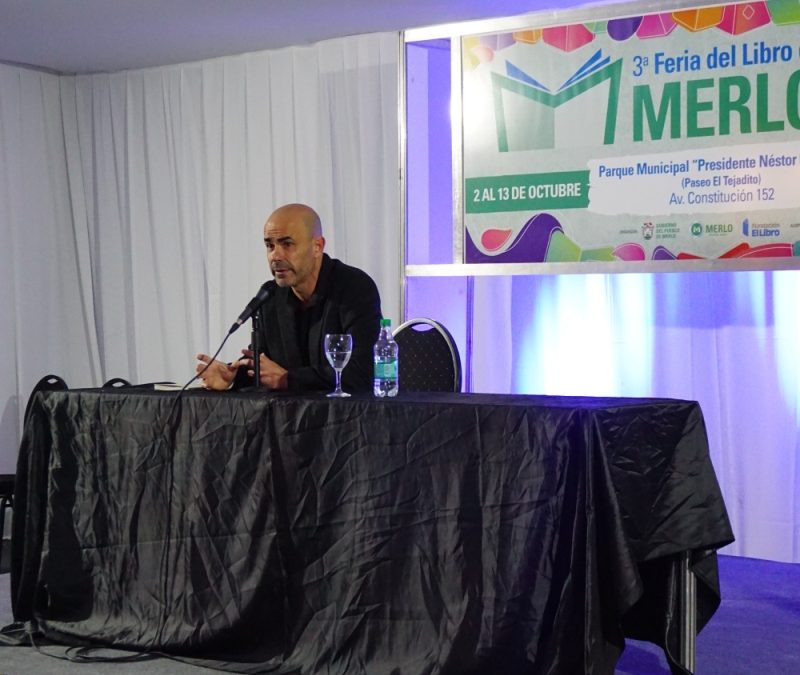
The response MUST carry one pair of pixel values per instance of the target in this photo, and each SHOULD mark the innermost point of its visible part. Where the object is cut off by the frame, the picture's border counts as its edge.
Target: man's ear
(319, 245)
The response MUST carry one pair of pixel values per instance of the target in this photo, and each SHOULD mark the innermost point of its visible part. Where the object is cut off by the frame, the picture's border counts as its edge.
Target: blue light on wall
(583, 334)
(786, 295)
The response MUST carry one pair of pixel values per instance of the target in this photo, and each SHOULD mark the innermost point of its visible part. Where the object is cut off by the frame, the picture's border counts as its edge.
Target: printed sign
(669, 136)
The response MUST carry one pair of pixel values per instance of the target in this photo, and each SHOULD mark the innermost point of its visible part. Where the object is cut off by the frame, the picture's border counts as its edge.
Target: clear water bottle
(385, 359)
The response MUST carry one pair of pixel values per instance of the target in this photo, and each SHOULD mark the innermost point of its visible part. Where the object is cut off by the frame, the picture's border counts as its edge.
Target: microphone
(263, 293)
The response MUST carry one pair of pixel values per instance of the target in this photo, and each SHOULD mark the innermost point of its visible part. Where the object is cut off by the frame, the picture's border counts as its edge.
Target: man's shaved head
(294, 241)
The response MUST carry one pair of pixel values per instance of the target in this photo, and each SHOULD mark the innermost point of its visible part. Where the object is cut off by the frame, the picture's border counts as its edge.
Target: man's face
(292, 253)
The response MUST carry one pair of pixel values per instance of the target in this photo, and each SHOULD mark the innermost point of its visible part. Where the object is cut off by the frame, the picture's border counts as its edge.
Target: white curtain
(133, 203)
(726, 339)
(131, 208)
(46, 318)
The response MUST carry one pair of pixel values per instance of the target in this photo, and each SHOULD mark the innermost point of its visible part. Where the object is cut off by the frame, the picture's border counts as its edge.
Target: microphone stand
(256, 347)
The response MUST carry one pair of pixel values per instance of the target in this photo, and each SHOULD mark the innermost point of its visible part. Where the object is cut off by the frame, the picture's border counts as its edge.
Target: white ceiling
(85, 36)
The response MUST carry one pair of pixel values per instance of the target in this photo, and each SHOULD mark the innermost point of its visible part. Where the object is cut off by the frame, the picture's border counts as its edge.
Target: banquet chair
(7, 480)
(47, 383)
(429, 359)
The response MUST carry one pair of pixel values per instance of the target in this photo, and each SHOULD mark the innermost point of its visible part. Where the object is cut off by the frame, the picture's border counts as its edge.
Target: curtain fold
(186, 162)
(133, 203)
(47, 319)
(726, 339)
(131, 208)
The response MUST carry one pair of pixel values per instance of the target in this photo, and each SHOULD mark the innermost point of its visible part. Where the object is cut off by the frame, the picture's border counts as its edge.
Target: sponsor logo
(660, 230)
(760, 229)
(716, 229)
(697, 230)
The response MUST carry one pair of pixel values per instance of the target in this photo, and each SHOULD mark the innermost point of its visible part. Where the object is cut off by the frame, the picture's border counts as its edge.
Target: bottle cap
(385, 323)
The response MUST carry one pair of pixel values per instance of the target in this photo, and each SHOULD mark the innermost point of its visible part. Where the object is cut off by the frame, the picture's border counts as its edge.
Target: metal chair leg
(688, 610)
(3, 501)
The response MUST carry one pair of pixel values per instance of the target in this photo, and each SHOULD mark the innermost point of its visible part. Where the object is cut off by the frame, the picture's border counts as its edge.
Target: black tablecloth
(433, 533)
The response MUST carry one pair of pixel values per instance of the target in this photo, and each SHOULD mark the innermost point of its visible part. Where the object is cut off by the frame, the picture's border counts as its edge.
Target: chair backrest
(116, 383)
(429, 359)
(47, 383)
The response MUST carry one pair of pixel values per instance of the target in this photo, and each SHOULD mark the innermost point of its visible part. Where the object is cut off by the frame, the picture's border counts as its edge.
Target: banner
(662, 137)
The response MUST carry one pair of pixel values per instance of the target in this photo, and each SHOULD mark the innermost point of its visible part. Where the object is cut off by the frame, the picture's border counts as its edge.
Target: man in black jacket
(312, 295)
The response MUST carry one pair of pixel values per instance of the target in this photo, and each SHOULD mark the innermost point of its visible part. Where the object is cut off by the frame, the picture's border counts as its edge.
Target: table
(432, 533)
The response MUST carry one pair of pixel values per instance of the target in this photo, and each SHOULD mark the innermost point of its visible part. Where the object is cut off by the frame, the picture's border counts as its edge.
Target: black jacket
(345, 300)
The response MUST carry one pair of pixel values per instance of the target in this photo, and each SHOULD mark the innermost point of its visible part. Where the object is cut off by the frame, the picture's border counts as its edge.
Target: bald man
(312, 295)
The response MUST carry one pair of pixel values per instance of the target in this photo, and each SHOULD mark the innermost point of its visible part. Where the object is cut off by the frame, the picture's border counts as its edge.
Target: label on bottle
(386, 370)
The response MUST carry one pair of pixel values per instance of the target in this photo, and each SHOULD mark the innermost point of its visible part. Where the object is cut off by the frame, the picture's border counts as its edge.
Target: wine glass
(338, 348)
